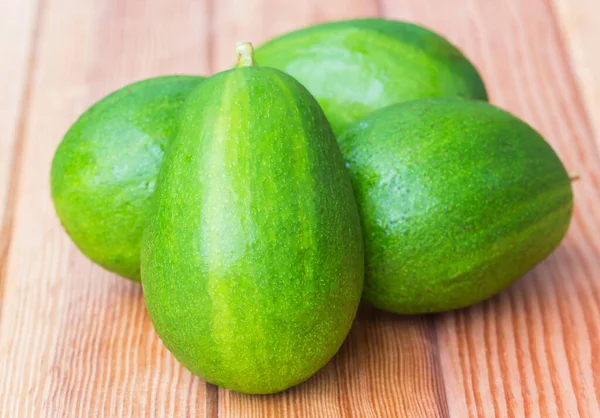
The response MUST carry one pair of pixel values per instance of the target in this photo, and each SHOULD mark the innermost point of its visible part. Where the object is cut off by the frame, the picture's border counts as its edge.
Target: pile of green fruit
(254, 203)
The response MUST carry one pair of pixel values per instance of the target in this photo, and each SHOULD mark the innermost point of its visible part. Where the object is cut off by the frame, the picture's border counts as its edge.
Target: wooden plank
(76, 340)
(580, 24)
(17, 22)
(534, 349)
(389, 365)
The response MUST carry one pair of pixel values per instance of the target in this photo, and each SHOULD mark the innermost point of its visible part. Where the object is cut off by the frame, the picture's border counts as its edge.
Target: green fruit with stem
(252, 259)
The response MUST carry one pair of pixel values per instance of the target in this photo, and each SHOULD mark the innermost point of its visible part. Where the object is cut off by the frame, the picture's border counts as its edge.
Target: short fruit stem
(574, 176)
(245, 53)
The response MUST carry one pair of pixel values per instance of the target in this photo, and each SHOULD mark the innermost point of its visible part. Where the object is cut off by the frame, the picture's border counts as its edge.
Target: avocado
(458, 199)
(104, 170)
(354, 67)
(252, 257)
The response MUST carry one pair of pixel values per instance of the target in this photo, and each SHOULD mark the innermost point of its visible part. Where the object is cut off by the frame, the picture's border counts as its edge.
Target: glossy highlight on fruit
(458, 199)
(252, 260)
(354, 67)
(104, 170)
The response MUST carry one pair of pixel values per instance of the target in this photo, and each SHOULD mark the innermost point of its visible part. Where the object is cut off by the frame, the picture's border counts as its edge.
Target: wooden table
(75, 341)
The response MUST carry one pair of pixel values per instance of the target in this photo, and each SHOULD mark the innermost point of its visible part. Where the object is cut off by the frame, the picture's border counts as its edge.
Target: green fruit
(354, 67)
(458, 199)
(104, 170)
(252, 260)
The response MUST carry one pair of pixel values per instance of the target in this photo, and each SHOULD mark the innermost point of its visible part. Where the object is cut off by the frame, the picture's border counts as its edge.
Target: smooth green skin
(104, 170)
(354, 67)
(252, 260)
(458, 199)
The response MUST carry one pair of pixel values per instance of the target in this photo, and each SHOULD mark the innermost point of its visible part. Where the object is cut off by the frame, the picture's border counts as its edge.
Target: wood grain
(76, 340)
(388, 367)
(580, 24)
(534, 349)
(17, 29)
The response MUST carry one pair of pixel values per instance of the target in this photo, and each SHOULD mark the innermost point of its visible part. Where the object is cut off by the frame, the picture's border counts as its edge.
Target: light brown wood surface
(580, 25)
(75, 341)
(17, 25)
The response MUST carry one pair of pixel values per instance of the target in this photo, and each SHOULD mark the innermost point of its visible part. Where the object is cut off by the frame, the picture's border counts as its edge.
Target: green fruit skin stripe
(354, 67)
(458, 199)
(252, 261)
(104, 170)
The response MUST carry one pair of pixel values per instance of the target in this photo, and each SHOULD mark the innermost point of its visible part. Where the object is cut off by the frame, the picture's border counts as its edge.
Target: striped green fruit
(104, 170)
(252, 260)
(458, 199)
(354, 67)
